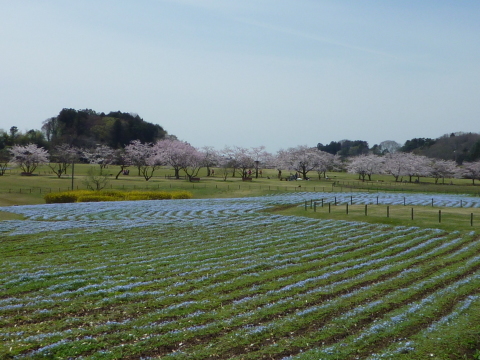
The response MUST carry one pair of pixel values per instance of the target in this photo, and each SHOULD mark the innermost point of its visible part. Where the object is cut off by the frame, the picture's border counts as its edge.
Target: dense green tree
(333, 148)
(353, 148)
(417, 143)
(87, 128)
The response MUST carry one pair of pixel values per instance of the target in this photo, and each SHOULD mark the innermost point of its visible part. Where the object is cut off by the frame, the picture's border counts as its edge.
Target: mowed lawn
(227, 279)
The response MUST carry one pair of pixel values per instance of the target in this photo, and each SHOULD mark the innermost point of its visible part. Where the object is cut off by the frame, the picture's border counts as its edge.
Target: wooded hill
(457, 146)
(87, 128)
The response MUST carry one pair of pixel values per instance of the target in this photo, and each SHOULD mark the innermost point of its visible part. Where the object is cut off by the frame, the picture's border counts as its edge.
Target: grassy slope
(20, 190)
(236, 289)
(443, 343)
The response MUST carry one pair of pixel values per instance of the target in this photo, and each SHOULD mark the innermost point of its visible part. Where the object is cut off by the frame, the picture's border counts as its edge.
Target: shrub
(95, 198)
(65, 197)
(159, 195)
(113, 195)
(182, 195)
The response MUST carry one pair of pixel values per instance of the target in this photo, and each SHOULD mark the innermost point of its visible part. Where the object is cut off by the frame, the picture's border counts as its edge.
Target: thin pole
(73, 170)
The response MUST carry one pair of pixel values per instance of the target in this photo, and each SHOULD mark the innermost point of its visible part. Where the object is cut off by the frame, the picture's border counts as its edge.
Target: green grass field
(23, 190)
(242, 271)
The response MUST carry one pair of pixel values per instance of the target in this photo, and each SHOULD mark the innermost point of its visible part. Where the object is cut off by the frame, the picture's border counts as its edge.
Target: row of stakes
(314, 205)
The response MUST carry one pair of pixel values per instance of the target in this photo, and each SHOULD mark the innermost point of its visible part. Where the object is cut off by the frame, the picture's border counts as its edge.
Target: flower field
(222, 279)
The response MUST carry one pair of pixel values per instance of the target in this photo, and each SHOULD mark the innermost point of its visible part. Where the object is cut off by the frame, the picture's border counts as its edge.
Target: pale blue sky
(278, 73)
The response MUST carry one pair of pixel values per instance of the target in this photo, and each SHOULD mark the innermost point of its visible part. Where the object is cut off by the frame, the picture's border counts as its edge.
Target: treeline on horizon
(89, 129)
(457, 146)
(86, 129)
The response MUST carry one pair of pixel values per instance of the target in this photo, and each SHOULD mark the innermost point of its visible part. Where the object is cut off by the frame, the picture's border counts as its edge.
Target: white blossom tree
(137, 152)
(417, 166)
(302, 159)
(471, 170)
(441, 169)
(146, 157)
(102, 155)
(280, 161)
(244, 161)
(365, 165)
(211, 158)
(232, 157)
(396, 164)
(194, 161)
(327, 162)
(61, 157)
(29, 157)
(224, 163)
(174, 154)
(259, 156)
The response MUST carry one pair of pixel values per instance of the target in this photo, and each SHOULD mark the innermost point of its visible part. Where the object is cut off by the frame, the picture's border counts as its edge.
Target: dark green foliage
(87, 128)
(353, 148)
(332, 148)
(345, 147)
(417, 143)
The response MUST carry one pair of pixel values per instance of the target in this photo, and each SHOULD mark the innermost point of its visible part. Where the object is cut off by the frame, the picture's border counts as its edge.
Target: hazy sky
(278, 73)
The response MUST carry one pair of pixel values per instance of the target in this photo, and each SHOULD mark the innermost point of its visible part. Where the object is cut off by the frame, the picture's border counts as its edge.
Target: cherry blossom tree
(145, 156)
(136, 154)
(102, 155)
(327, 162)
(224, 163)
(443, 169)
(231, 157)
(174, 153)
(417, 166)
(396, 164)
(365, 165)
(29, 157)
(280, 161)
(259, 156)
(61, 157)
(407, 164)
(471, 170)
(302, 159)
(211, 158)
(244, 161)
(154, 158)
(194, 161)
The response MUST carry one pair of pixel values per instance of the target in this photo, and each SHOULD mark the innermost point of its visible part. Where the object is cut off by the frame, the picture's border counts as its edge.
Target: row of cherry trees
(233, 161)
(407, 165)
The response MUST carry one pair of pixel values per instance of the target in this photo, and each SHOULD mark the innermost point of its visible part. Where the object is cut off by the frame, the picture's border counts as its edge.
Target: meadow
(236, 279)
